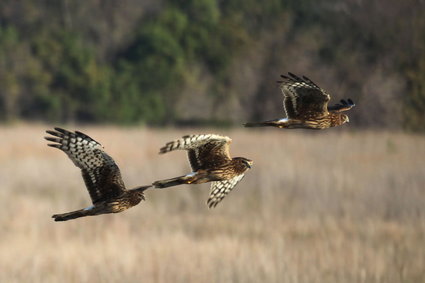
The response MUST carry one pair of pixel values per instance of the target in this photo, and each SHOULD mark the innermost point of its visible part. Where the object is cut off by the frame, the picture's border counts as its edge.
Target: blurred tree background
(188, 62)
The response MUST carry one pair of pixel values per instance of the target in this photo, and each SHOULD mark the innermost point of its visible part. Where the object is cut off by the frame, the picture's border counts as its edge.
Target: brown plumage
(210, 160)
(100, 173)
(306, 106)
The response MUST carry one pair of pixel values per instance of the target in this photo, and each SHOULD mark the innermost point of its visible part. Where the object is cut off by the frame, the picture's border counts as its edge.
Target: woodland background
(208, 62)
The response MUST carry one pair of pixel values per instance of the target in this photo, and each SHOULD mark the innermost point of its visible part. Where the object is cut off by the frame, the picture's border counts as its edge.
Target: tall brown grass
(328, 206)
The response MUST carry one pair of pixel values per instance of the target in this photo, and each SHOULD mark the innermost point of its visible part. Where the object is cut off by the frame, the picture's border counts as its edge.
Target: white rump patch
(191, 174)
(283, 120)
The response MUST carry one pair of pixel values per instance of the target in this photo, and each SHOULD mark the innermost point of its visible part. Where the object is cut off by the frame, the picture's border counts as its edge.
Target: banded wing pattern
(303, 97)
(204, 151)
(220, 189)
(192, 142)
(100, 173)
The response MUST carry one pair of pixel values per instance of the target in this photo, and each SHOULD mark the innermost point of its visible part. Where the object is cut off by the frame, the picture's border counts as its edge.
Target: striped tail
(281, 123)
(73, 214)
(172, 182)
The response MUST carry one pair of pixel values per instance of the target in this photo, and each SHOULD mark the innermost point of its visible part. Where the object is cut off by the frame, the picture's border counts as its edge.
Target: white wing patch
(89, 208)
(283, 120)
(192, 142)
(220, 189)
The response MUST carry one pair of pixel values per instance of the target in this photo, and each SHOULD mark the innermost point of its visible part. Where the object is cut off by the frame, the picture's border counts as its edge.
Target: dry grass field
(325, 206)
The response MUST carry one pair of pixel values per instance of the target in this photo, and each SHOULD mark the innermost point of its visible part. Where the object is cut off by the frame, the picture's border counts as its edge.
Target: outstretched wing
(344, 105)
(302, 97)
(220, 189)
(204, 151)
(100, 173)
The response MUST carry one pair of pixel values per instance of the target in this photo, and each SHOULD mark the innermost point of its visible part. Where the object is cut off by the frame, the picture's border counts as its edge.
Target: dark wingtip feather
(82, 135)
(54, 145)
(211, 204)
(165, 149)
(307, 79)
(295, 77)
(53, 133)
(52, 139)
(63, 131)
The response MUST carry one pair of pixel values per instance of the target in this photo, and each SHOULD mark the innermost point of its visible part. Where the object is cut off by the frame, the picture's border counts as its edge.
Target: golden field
(323, 206)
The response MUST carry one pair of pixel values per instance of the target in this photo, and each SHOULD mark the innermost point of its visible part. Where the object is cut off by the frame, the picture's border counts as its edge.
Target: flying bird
(100, 173)
(210, 160)
(306, 106)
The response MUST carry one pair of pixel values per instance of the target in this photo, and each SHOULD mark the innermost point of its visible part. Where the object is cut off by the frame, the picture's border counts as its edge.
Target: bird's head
(247, 163)
(140, 191)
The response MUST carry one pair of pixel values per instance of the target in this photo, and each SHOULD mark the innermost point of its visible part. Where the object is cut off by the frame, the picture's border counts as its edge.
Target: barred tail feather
(272, 123)
(170, 182)
(72, 215)
(255, 124)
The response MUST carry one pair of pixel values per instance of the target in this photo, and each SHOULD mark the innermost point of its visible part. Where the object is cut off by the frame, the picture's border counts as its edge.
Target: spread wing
(302, 97)
(220, 189)
(204, 151)
(100, 173)
(344, 105)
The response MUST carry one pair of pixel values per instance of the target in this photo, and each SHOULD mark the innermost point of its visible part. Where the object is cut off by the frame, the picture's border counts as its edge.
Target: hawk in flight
(100, 173)
(210, 160)
(306, 106)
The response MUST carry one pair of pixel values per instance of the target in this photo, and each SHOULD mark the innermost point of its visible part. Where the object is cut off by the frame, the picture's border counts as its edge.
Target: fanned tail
(171, 182)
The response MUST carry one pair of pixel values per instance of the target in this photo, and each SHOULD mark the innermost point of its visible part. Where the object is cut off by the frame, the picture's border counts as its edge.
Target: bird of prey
(100, 173)
(306, 106)
(210, 160)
